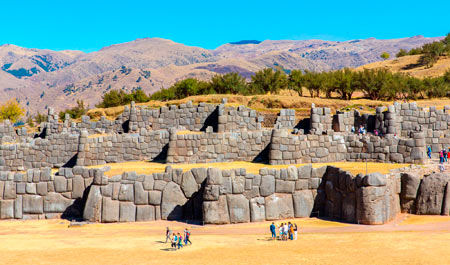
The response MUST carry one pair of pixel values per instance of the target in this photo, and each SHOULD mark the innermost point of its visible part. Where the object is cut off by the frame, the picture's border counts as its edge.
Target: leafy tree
(345, 84)
(231, 83)
(295, 81)
(267, 80)
(11, 110)
(401, 53)
(431, 53)
(385, 55)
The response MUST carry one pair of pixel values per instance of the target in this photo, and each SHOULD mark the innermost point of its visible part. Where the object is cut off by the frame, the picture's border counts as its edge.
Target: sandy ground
(144, 167)
(407, 240)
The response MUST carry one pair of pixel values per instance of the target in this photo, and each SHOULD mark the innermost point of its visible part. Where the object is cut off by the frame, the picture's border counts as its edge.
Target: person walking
(187, 235)
(441, 157)
(295, 231)
(167, 234)
(180, 241)
(445, 155)
(273, 230)
(429, 152)
(174, 241)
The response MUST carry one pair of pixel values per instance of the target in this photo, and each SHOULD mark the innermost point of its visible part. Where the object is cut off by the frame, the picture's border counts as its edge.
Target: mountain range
(39, 78)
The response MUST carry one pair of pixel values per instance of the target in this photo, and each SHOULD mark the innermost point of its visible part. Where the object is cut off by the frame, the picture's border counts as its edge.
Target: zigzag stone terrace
(207, 133)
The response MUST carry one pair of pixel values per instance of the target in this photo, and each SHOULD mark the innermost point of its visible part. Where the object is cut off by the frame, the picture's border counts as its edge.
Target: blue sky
(91, 25)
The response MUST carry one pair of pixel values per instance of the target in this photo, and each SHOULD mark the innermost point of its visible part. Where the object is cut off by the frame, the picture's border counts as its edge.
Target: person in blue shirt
(429, 152)
(273, 230)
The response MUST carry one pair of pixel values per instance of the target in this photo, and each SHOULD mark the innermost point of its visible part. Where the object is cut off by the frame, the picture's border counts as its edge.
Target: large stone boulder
(238, 207)
(93, 207)
(33, 204)
(257, 209)
(216, 212)
(279, 206)
(370, 205)
(431, 194)
(127, 212)
(410, 186)
(172, 202)
(110, 210)
(56, 203)
(6, 209)
(374, 179)
(267, 187)
(303, 203)
(189, 184)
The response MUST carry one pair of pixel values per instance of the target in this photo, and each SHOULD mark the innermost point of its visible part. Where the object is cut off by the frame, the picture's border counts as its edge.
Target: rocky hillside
(39, 78)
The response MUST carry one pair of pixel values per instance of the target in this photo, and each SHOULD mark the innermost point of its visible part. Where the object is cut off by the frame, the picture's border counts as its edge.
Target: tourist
(353, 129)
(376, 132)
(167, 234)
(180, 241)
(187, 235)
(280, 229)
(285, 231)
(445, 155)
(291, 231)
(441, 157)
(174, 241)
(273, 230)
(295, 231)
(429, 152)
(361, 129)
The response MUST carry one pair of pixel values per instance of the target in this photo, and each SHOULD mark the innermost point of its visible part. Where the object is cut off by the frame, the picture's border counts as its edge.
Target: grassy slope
(403, 65)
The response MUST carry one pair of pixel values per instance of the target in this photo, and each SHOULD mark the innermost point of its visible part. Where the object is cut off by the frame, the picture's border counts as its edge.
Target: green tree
(75, 112)
(267, 80)
(385, 55)
(431, 53)
(296, 81)
(401, 53)
(231, 83)
(11, 110)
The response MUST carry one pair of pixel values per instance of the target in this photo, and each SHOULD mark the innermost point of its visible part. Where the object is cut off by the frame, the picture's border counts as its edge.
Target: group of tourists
(287, 231)
(443, 157)
(177, 240)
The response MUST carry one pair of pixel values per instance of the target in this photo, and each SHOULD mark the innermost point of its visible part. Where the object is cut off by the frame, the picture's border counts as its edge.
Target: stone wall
(142, 146)
(232, 196)
(321, 120)
(218, 147)
(39, 194)
(288, 148)
(220, 196)
(54, 151)
(285, 119)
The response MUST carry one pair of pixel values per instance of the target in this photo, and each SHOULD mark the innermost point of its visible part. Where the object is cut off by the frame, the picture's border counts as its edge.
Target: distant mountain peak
(243, 42)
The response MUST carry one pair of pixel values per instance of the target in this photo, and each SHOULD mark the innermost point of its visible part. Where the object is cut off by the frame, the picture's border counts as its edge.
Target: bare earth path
(408, 240)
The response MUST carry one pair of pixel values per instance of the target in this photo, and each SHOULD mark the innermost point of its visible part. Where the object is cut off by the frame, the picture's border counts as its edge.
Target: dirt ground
(407, 240)
(144, 167)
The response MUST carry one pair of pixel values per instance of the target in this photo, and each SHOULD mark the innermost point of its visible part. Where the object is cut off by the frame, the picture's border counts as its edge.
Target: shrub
(11, 110)
(75, 112)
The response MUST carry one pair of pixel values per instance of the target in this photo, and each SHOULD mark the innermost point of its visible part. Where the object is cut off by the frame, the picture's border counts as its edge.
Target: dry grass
(403, 64)
(320, 242)
(184, 132)
(421, 220)
(97, 135)
(142, 167)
